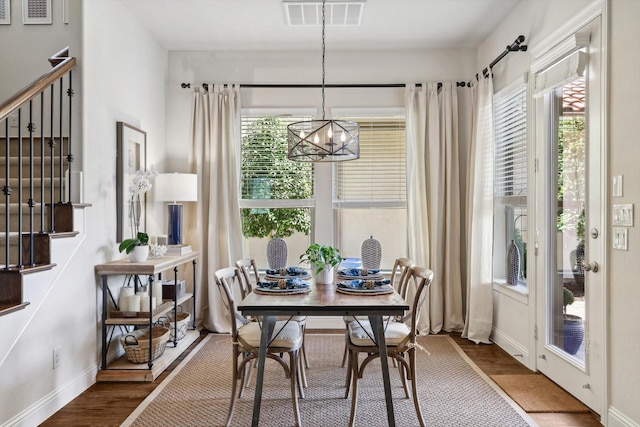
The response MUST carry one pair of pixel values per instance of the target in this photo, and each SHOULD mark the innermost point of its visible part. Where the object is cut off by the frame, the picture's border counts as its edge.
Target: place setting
(288, 286)
(287, 273)
(359, 273)
(365, 287)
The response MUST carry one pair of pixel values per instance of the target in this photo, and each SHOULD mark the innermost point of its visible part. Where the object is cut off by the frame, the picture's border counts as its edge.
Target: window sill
(519, 293)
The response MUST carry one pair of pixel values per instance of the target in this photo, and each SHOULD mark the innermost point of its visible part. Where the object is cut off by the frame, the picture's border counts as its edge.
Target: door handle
(590, 266)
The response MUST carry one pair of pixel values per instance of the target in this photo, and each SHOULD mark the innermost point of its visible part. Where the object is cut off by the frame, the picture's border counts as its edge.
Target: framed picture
(131, 157)
(5, 12)
(36, 11)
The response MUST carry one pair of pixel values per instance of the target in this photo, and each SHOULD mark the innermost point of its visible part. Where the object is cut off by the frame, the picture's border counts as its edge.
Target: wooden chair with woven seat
(248, 268)
(398, 279)
(245, 338)
(401, 342)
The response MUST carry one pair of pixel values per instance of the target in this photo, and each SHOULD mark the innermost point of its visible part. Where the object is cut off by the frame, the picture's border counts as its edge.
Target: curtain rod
(516, 46)
(513, 47)
(317, 86)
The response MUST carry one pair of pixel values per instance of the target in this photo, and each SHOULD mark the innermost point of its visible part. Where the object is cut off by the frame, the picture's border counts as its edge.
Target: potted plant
(573, 328)
(137, 248)
(323, 260)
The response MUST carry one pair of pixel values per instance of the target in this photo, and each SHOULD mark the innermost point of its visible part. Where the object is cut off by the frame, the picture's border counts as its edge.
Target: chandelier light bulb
(343, 137)
(302, 135)
(316, 139)
(330, 133)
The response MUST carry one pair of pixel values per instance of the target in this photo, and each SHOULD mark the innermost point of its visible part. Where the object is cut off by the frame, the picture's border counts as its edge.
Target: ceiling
(213, 25)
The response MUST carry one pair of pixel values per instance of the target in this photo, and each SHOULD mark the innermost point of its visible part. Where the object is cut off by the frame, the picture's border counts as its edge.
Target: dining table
(323, 300)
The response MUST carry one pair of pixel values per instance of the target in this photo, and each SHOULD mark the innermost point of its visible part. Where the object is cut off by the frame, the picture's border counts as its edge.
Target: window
(276, 193)
(510, 193)
(369, 194)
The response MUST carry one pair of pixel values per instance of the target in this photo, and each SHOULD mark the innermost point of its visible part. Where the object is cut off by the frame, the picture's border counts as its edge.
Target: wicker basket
(136, 344)
(183, 322)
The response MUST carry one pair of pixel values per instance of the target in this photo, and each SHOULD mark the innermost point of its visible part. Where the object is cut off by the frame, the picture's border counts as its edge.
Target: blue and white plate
(292, 285)
(290, 272)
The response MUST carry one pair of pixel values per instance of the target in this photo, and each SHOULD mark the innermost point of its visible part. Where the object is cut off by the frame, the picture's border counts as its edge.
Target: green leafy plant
(321, 256)
(267, 173)
(567, 299)
(127, 245)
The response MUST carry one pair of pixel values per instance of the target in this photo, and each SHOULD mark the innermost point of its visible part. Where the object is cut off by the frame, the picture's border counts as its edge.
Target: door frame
(544, 54)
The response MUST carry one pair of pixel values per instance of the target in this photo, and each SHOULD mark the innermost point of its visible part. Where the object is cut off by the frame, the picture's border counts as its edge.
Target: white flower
(142, 181)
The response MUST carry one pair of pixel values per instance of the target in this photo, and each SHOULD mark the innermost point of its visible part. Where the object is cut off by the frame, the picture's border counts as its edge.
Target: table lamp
(174, 188)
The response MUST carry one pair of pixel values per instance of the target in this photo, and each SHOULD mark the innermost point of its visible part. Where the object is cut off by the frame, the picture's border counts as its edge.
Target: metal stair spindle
(20, 260)
(7, 193)
(52, 146)
(69, 155)
(31, 128)
(61, 173)
(42, 204)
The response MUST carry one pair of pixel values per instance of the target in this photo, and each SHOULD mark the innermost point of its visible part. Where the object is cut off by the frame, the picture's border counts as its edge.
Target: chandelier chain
(323, 54)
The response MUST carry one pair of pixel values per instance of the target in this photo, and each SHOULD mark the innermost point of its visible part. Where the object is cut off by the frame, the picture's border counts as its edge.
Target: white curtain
(433, 200)
(479, 319)
(215, 139)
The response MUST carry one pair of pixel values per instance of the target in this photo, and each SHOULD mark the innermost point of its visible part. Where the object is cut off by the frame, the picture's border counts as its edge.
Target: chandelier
(323, 140)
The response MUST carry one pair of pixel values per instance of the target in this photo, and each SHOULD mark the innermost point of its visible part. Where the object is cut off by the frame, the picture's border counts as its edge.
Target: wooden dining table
(323, 300)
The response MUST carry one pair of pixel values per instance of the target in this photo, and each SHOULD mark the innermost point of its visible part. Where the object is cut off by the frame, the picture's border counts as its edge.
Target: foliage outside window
(277, 194)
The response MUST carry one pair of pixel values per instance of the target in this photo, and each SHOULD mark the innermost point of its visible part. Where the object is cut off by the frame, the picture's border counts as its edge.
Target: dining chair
(371, 253)
(401, 342)
(245, 338)
(249, 268)
(399, 277)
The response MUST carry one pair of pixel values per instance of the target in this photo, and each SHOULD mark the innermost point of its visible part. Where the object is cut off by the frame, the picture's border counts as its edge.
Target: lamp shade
(176, 187)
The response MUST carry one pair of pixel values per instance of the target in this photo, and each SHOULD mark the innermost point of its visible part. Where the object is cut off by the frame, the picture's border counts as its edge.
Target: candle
(123, 301)
(144, 303)
(133, 303)
(157, 292)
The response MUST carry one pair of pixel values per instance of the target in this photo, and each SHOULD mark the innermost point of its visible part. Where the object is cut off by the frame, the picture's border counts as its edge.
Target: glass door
(569, 210)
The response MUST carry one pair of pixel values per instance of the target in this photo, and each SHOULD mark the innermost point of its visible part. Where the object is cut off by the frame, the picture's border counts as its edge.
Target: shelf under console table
(121, 369)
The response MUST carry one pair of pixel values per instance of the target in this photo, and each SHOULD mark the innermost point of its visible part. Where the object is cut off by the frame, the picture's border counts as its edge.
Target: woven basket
(183, 322)
(136, 344)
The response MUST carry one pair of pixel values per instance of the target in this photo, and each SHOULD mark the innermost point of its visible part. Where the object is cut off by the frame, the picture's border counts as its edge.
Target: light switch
(623, 215)
(620, 235)
(617, 186)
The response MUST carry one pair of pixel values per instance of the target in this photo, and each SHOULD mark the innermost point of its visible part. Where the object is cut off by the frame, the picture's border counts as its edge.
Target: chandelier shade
(323, 141)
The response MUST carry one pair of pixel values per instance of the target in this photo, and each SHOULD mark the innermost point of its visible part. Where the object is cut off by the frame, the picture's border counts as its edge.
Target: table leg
(268, 323)
(378, 333)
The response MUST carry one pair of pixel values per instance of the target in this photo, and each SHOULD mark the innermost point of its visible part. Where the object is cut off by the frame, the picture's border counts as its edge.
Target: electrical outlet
(13, 120)
(57, 356)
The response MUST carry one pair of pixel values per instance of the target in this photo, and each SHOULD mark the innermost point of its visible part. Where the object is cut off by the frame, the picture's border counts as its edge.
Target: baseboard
(51, 403)
(616, 418)
(511, 346)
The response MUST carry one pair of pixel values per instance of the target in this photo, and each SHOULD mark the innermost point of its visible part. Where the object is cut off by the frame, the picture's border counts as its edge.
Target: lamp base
(174, 224)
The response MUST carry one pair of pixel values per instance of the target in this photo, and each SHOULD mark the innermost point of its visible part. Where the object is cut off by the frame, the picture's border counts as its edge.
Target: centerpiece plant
(323, 259)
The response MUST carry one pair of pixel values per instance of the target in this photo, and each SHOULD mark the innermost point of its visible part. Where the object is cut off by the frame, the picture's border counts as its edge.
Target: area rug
(452, 391)
(537, 393)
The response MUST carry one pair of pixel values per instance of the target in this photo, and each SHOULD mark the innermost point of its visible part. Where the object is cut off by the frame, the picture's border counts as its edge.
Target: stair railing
(11, 113)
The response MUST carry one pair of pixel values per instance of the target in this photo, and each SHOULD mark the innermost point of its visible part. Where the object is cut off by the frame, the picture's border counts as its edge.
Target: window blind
(378, 177)
(267, 173)
(510, 110)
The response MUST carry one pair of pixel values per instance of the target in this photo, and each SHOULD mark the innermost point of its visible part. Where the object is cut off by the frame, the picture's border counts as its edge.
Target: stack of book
(178, 249)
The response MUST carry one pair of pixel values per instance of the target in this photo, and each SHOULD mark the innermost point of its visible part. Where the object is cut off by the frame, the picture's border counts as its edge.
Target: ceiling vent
(340, 13)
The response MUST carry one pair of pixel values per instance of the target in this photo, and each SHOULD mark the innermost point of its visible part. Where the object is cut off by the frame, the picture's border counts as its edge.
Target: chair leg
(294, 396)
(403, 376)
(234, 387)
(304, 350)
(354, 393)
(347, 383)
(344, 356)
(300, 376)
(414, 386)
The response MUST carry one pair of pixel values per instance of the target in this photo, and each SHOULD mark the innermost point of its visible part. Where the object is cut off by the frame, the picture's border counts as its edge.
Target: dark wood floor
(109, 404)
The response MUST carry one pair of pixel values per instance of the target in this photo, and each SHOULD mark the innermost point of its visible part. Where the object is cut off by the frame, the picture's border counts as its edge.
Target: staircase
(35, 157)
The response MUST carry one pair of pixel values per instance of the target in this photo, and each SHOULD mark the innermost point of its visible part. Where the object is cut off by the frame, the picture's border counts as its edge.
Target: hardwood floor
(109, 404)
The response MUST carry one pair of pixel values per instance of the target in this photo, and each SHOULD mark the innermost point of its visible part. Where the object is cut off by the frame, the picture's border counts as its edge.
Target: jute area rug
(452, 391)
(536, 393)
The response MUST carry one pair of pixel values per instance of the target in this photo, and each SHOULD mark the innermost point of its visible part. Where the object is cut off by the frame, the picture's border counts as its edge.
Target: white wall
(624, 152)
(124, 74)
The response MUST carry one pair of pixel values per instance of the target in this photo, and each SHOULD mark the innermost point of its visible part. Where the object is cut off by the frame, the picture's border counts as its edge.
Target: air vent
(341, 13)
